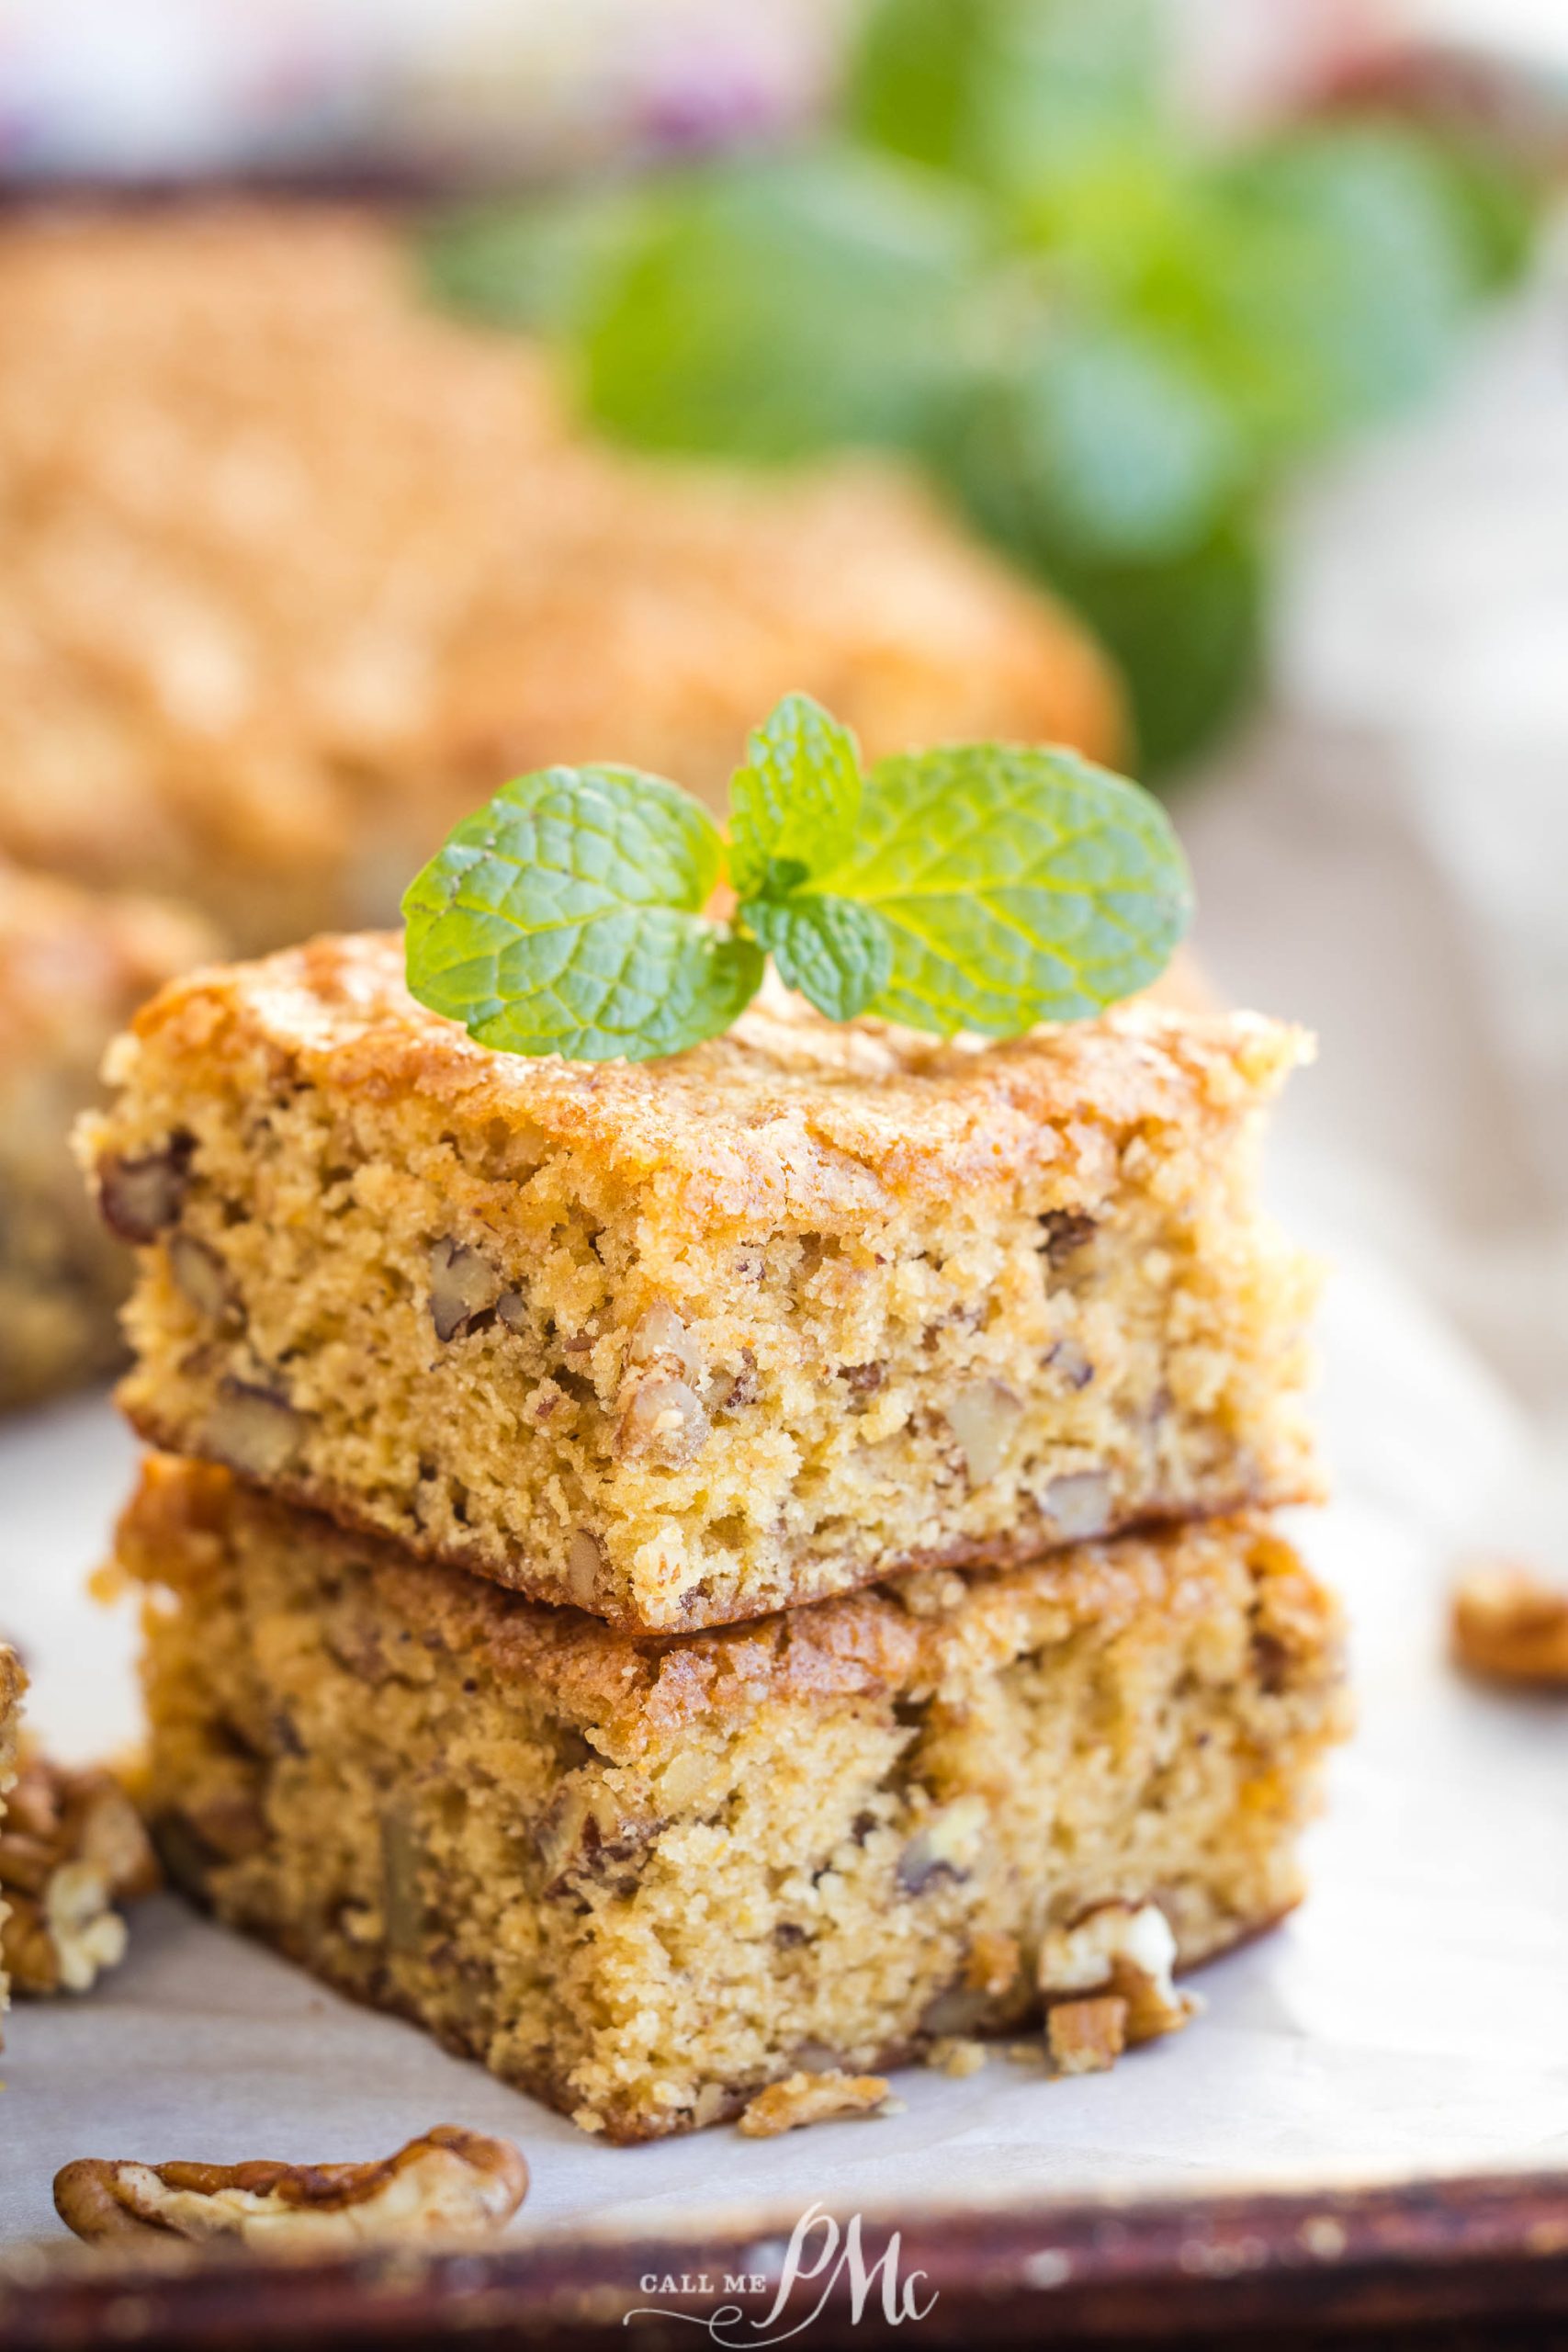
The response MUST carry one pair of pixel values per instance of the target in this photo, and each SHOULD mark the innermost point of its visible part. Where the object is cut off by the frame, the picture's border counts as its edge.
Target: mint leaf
(565, 918)
(839, 955)
(793, 806)
(776, 306)
(1017, 886)
(537, 263)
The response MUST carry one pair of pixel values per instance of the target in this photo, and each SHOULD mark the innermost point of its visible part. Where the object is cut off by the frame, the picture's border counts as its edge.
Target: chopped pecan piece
(256, 1430)
(464, 1288)
(1079, 1505)
(947, 1846)
(813, 2098)
(662, 1421)
(1126, 1950)
(1511, 1625)
(203, 1277)
(1087, 2037)
(982, 1415)
(450, 2185)
(1067, 1231)
(660, 1336)
(141, 1194)
(71, 1849)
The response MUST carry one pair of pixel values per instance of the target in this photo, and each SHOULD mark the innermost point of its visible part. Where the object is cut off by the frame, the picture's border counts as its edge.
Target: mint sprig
(983, 886)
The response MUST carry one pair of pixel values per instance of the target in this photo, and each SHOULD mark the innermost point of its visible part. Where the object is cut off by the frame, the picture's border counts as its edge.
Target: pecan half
(72, 1848)
(1511, 1625)
(449, 2184)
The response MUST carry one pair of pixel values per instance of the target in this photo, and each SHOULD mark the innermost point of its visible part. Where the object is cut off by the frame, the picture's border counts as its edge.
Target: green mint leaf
(1017, 884)
(837, 953)
(776, 306)
(565, 918)
(536, 262)
(793, 806)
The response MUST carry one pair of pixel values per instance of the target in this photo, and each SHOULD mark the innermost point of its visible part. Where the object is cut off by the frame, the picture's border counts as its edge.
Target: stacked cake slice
(679, 1572)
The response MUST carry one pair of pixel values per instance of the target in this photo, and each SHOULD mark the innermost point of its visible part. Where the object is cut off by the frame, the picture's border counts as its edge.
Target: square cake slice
(643, 1878)
(13, 1683)
(686, 1341)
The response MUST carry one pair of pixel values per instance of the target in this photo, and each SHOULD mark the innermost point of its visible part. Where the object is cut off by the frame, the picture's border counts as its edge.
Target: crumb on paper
(955, 2055)
(1511, 1624)
(800, 2100)
(448, 2184)
(993, 1965)
(1087, 2037)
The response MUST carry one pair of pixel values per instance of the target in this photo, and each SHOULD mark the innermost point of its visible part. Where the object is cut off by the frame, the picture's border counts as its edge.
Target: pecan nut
(72, 1849)
(140, 1194)
(449, 2184)
(1087, 2037)
(1123, 1950)
(464, 1289)
(1511, 1625)
(813, 2098)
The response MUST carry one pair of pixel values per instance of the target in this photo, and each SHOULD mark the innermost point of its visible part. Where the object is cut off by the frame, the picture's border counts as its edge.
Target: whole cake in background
(297, 568)
(75, 965)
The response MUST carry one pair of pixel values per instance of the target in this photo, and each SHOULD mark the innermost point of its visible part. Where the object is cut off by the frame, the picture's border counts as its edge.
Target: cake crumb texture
(647, 1878)
(683, 1342)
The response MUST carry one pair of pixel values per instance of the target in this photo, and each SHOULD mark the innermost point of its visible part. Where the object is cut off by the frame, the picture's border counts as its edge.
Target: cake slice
(75, 965)
(683, 1342)
(643, 1878)
(13, 1683)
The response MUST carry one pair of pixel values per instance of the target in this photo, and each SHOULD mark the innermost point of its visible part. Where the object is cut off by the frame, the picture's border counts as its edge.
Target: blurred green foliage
(1011, 257)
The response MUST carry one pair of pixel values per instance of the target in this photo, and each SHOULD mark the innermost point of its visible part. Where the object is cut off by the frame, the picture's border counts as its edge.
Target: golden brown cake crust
(787, 1119)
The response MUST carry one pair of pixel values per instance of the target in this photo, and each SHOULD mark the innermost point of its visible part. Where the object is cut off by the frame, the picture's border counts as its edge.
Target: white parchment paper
(1410, 2018)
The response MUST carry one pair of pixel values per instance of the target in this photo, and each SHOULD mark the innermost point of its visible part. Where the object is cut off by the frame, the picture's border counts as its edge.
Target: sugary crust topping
(643, 1694)
(76, 962)
(786, 1118)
